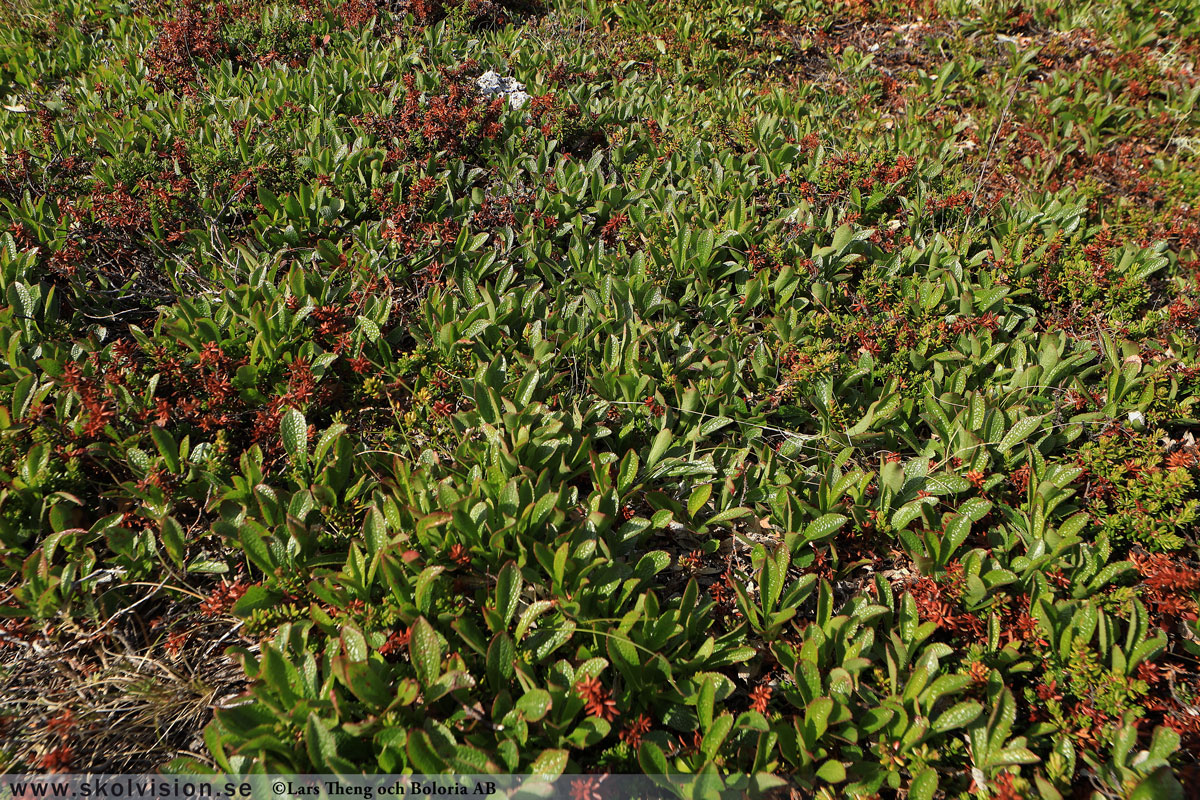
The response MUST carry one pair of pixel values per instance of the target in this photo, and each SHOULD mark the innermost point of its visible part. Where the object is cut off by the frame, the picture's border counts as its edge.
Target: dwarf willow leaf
(173, 539)
(423, 589)
(662, 441)
(698, 498)
(957, 716)
(508, 590)
(167, 447)
(824, 527)
(627, 472)
(534, 705)
(293, 429)
(705, 700)
(425, 649)
(529, 616)
(1019, 432)
(924, 785)
(711, 426)
(369, 329)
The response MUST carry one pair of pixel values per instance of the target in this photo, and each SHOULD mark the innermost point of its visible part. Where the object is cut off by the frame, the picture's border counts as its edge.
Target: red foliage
(456, 122)
(632, 735)
(587, 788)
(598, 700)
(222, 598)
(760, 697)
(1170, 586)
(396, 641)
(191, 34)
(938, 604)
(612, 229)
(58, 759)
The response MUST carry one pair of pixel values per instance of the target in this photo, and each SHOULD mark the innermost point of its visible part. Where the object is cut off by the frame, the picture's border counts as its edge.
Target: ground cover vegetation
(797, 392)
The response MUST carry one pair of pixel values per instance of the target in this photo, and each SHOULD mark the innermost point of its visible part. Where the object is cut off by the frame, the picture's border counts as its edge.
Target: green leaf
(530, 615)
(251, 536)
(975, 509)
(957, 716)
(534, 705)
(704, 246)
(294, 431)
(422, 755)
(624, 657)
(727, 515)
(824, 527)
(1164, 742)
(1019, 432)
(366, 680)
(508, 591)
(425, 650)
(527, 388)
(832, 772)
(698, 498)
(20, 299)
(662, 441)
(423, 591)
(319, 740)
(842, 237)
(172, 539)
(256, 597)
(957, 531)
(923, 785)
(705, 700)
(1015, 755)
(1110, 573)
(500, 659)
(628, 472)
(369, 328)
(327, 439)
(1158, 785)
(549, 764)
(589, 732)
(268, 199)
(166, 447)
(488, 403)
(715, 736)
(713, 425)
(816, 717)
(354, 644)
(908, 512)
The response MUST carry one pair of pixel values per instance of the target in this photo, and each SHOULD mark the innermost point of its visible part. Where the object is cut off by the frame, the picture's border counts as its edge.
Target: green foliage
(1140, 499)
(785, 393)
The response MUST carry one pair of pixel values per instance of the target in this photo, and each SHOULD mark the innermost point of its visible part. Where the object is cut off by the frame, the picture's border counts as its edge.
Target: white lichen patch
(491, 83)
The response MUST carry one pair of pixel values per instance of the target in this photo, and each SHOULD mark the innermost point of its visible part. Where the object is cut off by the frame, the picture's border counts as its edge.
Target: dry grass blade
(115, 702)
